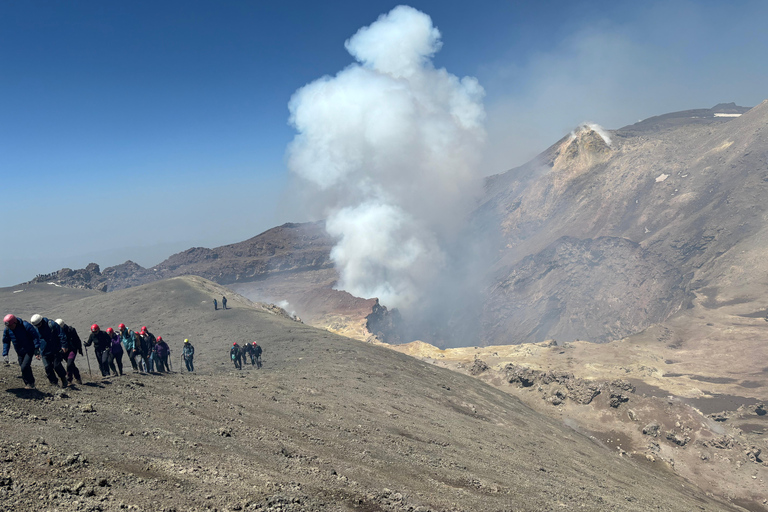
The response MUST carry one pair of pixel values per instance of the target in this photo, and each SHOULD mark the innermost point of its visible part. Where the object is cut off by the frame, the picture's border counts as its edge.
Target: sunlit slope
(330, 422)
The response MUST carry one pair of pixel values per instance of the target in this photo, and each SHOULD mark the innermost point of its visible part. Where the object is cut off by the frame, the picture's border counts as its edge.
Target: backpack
(116, 346)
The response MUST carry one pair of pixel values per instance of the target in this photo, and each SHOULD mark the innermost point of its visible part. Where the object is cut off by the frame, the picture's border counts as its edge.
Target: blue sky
(133, 130)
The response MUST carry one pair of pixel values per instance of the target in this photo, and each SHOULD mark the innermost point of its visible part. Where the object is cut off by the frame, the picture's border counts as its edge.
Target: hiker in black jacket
(234, 354)
(101, 345)
(75, 347)
(257, 350)
(53, 348)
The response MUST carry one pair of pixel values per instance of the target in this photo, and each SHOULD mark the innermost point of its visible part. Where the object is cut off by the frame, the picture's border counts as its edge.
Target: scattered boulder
(652, 429)
(478, 367)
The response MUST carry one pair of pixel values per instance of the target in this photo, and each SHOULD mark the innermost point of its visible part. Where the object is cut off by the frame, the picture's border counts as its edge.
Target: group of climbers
(146, 352)
(239, 354)
(55, 342)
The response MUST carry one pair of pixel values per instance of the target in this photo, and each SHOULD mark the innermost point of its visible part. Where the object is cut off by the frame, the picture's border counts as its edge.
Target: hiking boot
(114, 374)
(79, 382)
(30, 386)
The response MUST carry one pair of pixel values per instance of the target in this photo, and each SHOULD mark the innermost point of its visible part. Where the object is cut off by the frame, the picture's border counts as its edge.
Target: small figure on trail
(101, 346)
(26, 343)
(75, 347)
(234, 354)
(128, 338)
(115, 352)
(188, 352)
(257, 350)
(215, 305)
(248, 352)
(162, 351)
(224, 302)
(53, 349)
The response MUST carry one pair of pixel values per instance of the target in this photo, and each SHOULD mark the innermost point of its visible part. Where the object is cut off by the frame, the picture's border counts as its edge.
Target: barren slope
(328, 424)
(601, 240)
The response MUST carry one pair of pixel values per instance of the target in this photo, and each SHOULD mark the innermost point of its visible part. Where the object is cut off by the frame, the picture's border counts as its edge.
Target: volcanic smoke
(390, 148)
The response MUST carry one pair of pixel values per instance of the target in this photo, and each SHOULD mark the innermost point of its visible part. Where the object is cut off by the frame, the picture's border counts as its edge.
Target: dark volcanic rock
(287, 248)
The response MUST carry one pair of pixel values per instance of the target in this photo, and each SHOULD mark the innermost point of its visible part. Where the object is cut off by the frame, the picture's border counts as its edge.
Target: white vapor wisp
(390, 147)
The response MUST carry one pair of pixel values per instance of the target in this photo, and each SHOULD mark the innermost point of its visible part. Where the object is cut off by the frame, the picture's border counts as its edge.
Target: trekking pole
(88, 359)
(170, 361)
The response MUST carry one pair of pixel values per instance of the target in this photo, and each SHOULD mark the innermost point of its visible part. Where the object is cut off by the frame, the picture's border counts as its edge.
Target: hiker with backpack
(101, 346)
(53, 349)
(128, 339)
(26, 343)
(75, 346)
(149, 342)
(188, 353)
(162, 351)
(115, 352)
(257, 350)
(234, 354)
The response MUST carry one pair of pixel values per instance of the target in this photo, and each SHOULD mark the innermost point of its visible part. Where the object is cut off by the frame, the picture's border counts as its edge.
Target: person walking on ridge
(101, 346)
(53, 349)
(224, 302)
(26, 343)
(75, 347)
(128, 338)
(162, 351)
(188, 352)
(115, 352)
(234, 354)
(257, 350)
(215, 305)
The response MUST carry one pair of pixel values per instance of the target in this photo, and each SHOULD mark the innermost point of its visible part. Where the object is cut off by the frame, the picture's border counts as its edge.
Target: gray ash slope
(328, 424)
(599, 241)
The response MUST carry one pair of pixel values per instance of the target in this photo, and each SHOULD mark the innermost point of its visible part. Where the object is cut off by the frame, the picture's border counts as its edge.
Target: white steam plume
(391, 147)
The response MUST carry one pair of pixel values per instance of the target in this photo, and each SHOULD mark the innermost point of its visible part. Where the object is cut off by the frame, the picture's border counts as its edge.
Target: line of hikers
(55, 342)
(240, 354)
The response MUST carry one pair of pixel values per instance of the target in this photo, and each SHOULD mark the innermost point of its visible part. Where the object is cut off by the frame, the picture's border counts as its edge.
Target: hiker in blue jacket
(26, 342)
(53, 348)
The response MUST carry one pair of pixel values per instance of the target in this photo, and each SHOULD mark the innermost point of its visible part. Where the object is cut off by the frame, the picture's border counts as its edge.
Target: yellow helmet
(186, 341)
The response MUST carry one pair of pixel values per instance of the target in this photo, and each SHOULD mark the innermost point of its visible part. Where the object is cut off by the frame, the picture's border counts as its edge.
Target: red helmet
(9, 319)
(143, 328)
(121, 326)
(110, 330)
(235, 343)
(159, 338)
(95, 328)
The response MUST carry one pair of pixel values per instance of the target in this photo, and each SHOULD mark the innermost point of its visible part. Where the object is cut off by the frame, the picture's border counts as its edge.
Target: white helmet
(36, 319)
(60, 322)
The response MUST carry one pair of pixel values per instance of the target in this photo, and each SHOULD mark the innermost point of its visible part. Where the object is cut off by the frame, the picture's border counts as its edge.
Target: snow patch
(720, 114)
(661, 177)
(18, 291)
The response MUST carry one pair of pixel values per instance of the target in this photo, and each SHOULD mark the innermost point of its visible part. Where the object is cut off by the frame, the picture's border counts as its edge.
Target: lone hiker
(26, 342)
(234, 354)
(215, 305)
(53, 348)
(75, 347)
(101, 346)
(224, 302)
(189, 354)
